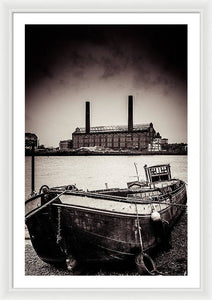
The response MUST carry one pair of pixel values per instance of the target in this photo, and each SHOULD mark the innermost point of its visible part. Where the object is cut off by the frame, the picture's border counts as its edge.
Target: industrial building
(131, 137)
(31, 139)
(65, 145)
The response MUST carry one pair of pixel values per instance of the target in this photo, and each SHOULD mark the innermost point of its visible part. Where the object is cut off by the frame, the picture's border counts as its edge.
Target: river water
(93, 172)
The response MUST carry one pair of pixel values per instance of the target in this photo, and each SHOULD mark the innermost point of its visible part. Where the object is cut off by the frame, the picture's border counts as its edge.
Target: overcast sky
(67, 65)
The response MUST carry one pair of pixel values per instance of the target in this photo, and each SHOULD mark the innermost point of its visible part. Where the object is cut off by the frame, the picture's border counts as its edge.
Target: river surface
(93, 172)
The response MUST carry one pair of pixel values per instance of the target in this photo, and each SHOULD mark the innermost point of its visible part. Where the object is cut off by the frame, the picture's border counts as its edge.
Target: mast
(136, 171)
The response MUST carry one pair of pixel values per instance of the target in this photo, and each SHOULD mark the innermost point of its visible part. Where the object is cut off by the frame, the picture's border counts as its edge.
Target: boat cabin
(157, 173)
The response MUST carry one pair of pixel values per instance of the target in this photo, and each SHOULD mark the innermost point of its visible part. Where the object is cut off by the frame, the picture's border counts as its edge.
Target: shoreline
(72, 153)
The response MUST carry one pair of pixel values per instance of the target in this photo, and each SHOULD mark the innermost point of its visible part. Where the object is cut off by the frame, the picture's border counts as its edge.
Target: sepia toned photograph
(106, 150)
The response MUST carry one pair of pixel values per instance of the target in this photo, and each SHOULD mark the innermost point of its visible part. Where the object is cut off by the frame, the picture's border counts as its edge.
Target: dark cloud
(112, 67)
(68, 64)
(155, 54)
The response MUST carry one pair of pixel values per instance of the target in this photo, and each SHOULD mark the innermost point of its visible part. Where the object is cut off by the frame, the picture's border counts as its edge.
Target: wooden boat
(67, 225)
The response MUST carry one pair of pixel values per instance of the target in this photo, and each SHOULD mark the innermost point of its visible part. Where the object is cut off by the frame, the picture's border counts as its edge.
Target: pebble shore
(169, 263)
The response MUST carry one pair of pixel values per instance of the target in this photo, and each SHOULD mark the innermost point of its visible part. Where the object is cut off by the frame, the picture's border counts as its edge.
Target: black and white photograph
(106, 149)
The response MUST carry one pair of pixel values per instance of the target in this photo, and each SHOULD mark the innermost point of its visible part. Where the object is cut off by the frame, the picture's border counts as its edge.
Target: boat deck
(132, 203)
(110, 205)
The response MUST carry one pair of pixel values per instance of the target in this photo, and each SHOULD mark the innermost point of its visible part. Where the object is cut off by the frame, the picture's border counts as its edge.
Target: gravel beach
(172, 262)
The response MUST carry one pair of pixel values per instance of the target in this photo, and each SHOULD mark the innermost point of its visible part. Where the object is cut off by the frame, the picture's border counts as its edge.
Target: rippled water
(92, 172)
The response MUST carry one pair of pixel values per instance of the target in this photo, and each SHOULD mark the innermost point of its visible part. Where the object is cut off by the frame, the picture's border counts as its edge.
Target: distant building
(65, 145)
(41, 147)
(31, 139)
(164, 141)
(156, 144)
(164, 144)
(177, 148)
(134, 137)
(114, 137)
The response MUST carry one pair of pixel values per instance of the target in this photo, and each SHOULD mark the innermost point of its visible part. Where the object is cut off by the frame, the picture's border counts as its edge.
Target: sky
(67, 65)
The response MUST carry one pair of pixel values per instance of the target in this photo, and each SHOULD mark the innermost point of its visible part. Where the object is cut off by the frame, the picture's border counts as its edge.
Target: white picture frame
(8, 8)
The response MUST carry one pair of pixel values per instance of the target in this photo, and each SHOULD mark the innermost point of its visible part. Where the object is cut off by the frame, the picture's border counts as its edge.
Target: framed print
(75, 56)
(106, 135)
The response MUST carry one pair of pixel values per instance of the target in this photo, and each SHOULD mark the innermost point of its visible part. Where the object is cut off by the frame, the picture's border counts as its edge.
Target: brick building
(135, 137)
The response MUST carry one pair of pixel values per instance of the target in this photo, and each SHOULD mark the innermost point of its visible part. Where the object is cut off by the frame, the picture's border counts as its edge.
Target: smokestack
(130, 113)
(87, 117)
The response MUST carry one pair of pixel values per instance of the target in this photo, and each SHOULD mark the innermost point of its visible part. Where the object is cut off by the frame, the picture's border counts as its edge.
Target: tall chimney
(130, 113)
(87, 117)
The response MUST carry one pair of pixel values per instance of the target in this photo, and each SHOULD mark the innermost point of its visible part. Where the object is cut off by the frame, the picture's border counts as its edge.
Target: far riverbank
(99, 153)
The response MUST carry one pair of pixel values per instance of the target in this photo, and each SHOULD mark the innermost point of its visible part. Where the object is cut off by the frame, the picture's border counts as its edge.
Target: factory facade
(134, 137)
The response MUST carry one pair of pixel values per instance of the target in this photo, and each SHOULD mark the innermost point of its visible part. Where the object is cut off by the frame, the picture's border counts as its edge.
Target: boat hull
(89, 235)
(43, 235)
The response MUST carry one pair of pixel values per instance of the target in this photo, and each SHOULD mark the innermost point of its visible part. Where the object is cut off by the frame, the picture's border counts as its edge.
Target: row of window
(110, 139)
(111, 145)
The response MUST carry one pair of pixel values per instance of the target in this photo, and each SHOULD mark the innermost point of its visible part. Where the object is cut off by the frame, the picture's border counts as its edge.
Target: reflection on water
(92, 172)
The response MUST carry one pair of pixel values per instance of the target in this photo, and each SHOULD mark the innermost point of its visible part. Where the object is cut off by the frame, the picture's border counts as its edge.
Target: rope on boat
(43, 206)
(160, 198)
(59, 237)
(139, 228)
(141, 266)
